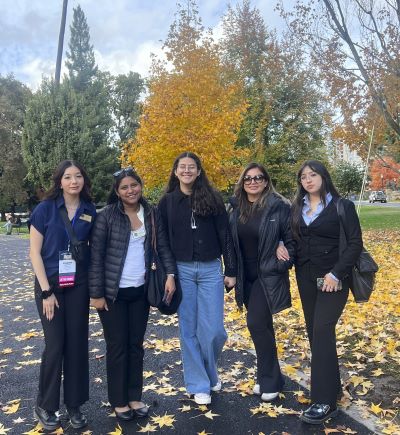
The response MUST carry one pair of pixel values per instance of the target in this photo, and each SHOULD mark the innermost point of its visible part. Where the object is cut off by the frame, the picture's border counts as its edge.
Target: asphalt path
(21, 344)
(382, 204)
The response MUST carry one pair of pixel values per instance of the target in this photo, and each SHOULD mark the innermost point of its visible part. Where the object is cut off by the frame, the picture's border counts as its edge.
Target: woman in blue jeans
(194, 215)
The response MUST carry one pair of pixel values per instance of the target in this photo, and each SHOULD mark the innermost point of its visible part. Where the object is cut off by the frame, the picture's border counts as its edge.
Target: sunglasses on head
(124, 171)
(258, 179)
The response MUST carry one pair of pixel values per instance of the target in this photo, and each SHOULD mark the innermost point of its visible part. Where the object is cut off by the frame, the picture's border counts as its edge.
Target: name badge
(66, 269)
(86, 217)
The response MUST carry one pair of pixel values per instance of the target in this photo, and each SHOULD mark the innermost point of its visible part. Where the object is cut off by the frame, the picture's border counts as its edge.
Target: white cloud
(33, 71)
(124, 60)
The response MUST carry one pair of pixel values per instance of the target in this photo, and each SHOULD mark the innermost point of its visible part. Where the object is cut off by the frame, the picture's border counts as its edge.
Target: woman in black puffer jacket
(259, 221)
(120, 256)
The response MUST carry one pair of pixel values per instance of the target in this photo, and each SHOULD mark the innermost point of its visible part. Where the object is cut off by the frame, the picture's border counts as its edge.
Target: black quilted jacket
(273, 273)
(109, 246)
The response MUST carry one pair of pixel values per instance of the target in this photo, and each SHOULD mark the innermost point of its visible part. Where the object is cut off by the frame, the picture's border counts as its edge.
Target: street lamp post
(382, 180)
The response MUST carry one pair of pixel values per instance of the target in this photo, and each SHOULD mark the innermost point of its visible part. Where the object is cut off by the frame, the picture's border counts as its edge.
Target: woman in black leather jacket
(120, 257)
(259, 221)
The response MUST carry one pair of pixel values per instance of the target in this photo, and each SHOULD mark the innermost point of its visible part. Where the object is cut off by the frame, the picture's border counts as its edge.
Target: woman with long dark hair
(259, 221)
(194, 215)
(61, 293)
(322, 278)
(120, 257)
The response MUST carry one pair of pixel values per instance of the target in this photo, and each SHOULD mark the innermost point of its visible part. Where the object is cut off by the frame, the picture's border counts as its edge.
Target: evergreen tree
(80, 61)
(284, 122)
(73, 120)
(13, 99)
(60, 124)
(126, 90)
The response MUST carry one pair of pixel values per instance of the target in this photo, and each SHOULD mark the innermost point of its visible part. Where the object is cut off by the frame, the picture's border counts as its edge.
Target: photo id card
(66, 269)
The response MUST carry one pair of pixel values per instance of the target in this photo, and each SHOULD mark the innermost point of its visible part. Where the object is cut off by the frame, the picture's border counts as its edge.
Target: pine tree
(80, 62)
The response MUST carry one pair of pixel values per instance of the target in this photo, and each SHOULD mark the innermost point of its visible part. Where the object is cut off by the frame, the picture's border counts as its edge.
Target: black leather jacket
(272, 273)
(109, 245)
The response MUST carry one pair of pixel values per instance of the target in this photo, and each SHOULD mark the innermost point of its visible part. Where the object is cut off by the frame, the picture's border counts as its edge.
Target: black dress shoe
(126, 415)
(141, 412)
(318, 413)
(48, 419)
(77, 419)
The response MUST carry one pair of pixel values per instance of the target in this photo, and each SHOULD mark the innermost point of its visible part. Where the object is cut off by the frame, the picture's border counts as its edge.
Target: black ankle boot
(48, 419)
(77, 419)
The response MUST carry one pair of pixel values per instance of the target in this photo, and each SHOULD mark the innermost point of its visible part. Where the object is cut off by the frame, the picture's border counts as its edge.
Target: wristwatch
(171, 274)
(46, 293)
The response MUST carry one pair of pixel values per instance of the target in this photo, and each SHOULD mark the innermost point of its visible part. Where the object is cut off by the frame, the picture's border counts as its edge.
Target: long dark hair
(246, 208)
(128, 172)
(326, 187)
(55, 190)
(205, 199)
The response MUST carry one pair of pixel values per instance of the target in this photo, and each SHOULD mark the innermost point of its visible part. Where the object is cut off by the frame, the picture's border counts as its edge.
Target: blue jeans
(201, 323)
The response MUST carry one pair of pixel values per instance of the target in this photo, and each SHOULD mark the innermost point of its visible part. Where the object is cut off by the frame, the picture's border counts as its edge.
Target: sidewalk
(233, 411)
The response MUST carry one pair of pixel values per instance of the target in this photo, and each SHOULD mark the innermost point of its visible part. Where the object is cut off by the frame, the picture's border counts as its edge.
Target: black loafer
(142, 412)
(125, 415)
(77, 419)
(48, 419)
(318, 413)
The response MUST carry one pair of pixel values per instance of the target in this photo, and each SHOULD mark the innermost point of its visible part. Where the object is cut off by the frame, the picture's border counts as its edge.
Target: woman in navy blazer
(322, 278)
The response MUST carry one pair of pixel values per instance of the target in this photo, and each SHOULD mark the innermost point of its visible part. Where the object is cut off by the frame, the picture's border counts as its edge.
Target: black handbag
(157, 278)
(79, 248)
(362, 277)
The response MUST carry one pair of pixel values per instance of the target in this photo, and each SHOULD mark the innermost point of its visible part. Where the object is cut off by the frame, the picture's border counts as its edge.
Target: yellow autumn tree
(189, 108)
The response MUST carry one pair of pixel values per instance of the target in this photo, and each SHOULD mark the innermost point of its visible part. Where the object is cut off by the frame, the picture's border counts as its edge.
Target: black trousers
(124, 326)
(322, 311)
(66, 347)
(260, 324)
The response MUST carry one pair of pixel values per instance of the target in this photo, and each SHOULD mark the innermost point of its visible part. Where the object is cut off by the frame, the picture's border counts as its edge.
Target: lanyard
(72, 225)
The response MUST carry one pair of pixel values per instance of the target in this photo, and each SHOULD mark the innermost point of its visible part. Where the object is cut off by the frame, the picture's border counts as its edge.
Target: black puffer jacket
(273, 273)
(109, 245)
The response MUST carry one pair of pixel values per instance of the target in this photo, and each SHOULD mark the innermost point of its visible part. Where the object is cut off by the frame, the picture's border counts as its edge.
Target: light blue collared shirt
(309, 218)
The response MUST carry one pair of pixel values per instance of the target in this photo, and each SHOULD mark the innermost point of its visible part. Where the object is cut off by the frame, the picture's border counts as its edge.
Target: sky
(123, 32)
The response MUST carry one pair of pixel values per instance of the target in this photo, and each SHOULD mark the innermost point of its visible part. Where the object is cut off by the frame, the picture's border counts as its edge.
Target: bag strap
(153, 232)
(342, 219)
(71, 233)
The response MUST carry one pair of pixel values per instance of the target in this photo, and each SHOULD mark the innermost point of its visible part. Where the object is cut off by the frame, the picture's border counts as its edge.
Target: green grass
(379, 218)
(371, 218)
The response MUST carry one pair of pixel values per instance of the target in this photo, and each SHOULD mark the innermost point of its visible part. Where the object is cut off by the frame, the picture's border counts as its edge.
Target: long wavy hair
(55, 190)
(246, 208)
(112, 196)
(326, 187)
(206, 200)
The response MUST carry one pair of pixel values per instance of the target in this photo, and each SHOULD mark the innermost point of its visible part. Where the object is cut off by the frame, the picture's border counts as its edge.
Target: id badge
(66, 269)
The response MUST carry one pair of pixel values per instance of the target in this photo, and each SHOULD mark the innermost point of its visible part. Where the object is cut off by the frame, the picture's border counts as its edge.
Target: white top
(134, 266)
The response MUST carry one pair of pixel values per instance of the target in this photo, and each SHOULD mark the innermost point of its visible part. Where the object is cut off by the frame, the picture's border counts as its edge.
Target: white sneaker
(202, 398)
(268, 397)
(217, 386)
(256, 390)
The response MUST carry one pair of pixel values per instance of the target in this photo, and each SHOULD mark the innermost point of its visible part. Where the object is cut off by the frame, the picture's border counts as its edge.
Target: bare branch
(344, 34)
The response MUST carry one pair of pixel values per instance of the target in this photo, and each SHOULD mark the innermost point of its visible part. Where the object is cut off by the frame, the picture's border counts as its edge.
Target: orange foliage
(189, 108)
(381, 175)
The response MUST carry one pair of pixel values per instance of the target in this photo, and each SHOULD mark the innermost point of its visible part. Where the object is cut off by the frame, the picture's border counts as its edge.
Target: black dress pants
(124, 326)
(66, 347)
(322, 311)
(260, 324)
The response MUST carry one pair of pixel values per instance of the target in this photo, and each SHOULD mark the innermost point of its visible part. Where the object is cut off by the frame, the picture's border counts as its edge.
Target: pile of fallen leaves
(367, 339)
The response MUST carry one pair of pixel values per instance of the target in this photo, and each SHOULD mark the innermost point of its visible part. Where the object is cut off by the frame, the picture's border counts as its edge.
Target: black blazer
(319, 242)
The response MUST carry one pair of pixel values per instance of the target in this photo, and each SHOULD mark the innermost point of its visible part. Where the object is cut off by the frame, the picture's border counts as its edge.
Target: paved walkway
(232, 411)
